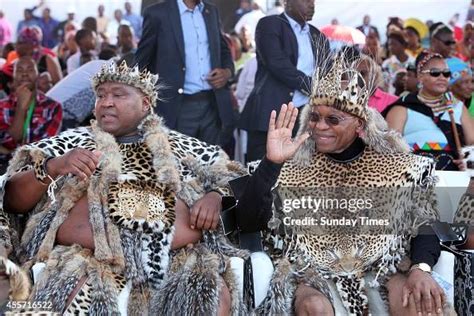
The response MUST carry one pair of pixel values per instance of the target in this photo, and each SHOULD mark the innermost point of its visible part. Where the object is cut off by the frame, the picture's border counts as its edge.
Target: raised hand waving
(280, 145)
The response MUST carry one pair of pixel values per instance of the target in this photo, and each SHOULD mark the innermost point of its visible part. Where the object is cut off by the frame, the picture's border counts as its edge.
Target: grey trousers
(199, 118)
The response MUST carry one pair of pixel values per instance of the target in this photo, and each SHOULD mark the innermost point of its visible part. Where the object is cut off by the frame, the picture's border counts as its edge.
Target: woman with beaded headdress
(328, 259)
(108, 208)
(433, 121)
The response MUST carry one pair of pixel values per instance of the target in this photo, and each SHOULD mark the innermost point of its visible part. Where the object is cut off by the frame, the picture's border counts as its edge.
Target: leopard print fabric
(344, 254)
(82, 300)
(138, 202)
(465, 212)
(464, 284)
(146, 220)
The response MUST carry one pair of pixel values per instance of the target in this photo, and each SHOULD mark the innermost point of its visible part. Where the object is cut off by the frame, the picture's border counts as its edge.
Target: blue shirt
(196, 49)
(136, 22)
(49, 38)
(23, 23)
(305, 57)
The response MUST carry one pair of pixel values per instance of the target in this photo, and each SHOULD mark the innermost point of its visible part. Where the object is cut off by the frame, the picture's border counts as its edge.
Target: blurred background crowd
(46, 61)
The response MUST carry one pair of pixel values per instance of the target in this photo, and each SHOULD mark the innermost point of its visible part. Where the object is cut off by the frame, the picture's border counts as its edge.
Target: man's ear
(146, 104)
(360, 125)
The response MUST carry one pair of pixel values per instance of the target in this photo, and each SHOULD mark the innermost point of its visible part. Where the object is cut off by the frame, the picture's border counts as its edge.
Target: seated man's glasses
(331, 120)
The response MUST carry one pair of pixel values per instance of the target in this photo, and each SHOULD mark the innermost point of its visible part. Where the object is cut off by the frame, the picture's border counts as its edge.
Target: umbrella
(344, 34)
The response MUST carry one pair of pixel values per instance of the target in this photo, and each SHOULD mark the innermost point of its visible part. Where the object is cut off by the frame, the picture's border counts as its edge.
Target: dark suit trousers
(198, 117)
(257, 141)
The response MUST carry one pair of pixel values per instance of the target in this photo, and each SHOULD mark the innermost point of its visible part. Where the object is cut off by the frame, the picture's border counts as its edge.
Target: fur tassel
(308, 148)
(97, 220)
(193, 289)
(208, 177)
(380, 138)
(163, 162)
(230, 279)
(103, 291)
(139, 301)
(280, 296)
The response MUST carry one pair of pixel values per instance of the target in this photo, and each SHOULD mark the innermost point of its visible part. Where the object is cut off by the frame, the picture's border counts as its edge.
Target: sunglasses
(331, 120)
(446, 42)
(435, 72)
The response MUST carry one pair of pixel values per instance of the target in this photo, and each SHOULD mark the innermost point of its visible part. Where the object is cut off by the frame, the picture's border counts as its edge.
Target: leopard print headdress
(341, 87)
(339, 84)
(144, 80)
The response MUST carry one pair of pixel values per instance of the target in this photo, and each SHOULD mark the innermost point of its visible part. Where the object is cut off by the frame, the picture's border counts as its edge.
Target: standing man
(114, 24)
(288, 52)
(48, 25)
(134, 19)
(366, 28)
(182, 42)
(102, 20)
(29, 21)
(126, 44)
(60, 31)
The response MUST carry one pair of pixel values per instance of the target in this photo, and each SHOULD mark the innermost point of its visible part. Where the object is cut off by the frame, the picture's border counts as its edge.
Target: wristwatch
(422, 266)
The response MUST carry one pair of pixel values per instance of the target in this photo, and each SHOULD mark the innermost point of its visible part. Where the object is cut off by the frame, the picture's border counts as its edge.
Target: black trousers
(199, 118)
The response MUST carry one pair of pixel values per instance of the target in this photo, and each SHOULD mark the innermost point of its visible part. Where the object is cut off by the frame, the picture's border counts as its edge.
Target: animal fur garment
(194, 286)
(400, 184)
(131, 200)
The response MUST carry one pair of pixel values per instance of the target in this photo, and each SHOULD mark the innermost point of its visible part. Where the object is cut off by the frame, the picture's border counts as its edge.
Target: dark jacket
(277, 77)
(161, 50)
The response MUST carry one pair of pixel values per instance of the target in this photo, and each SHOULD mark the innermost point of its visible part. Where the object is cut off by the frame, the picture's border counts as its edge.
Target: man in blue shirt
(134, 19)
(182, 42)
(288, 52)
(48, 25)
(46, 22)
(29, 21)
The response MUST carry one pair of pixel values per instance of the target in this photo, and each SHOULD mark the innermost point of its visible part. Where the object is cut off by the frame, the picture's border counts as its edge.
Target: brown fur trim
(230, 279)
(156, 139)
(67, 198)
(280, 296)
(193, 289)
(208, 177)
(5, 240)
(65, 266)
(139, 301)
(23, 156)
(102, 250)
(20, 284)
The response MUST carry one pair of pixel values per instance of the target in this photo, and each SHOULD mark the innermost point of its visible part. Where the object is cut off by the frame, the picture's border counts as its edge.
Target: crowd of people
(249, 54)
(122, 139)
